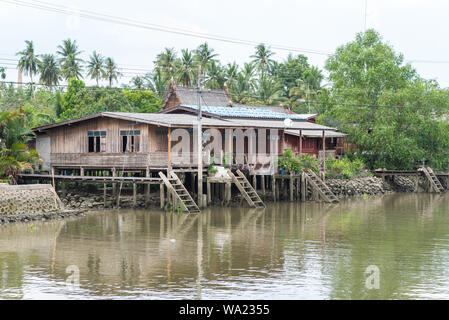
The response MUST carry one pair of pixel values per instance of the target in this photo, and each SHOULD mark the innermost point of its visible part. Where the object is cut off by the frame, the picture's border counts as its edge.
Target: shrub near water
(291, 164)
(345, 168)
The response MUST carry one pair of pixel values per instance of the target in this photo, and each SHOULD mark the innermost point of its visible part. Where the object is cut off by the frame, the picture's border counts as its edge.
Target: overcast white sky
(417, 28)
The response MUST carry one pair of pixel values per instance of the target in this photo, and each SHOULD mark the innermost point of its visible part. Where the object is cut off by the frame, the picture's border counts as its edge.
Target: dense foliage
(14, 153)
(393, 117)
(291, 163)
(345, 168)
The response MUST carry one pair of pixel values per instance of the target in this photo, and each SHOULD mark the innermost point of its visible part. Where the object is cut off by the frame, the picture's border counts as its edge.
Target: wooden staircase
(435, 184)
(319, 185)
(247, 190)
(175, 186)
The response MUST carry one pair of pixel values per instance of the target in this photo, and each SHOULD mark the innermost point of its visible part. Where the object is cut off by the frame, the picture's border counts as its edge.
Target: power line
(46, 6)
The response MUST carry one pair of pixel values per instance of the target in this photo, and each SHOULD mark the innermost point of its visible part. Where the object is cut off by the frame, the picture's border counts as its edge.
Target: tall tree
(204, 55)
(2, 72)
(166, 61)
(71, 64)
(28, 61)
(392, 116)
(262, 58)
(95, 67)
(157, 82)
(49, 70)
(111, 71)
(231, 73)
(215, 77)
(186, 69)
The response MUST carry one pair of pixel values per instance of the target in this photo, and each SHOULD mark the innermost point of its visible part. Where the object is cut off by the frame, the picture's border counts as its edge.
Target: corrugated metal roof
(244, 112)
(279, 124)
(208, 97)
(187, 120)
(316, 134)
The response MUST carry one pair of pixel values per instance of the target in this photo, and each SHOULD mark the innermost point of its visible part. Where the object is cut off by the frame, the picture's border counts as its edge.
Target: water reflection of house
(143, 141)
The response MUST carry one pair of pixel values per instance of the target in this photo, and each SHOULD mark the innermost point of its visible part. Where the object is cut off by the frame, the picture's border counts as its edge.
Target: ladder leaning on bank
(435, 184)
(247, 190)
(320, 186)
(175, 186)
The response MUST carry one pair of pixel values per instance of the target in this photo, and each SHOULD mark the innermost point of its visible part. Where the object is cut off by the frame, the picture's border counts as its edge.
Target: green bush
(291, 164)
(345, 168)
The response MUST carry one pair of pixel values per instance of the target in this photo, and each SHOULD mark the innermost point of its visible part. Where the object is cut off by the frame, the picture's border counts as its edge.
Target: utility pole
(200, 143)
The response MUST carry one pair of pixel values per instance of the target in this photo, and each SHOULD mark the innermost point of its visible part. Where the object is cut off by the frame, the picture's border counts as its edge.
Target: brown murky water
(288, 251)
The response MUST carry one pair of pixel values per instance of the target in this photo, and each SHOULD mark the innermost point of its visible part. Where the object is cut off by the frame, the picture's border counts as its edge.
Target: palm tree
(157, 82)
(262, 58)
(186, 69)
(49, 70)
(2, 72)
(95, 67)
(215, 78)
(268, 91)
(137, 83)
(313, 76)
(71, 67)
(71, 64)
(242, 89)
(28, 61)
(204, 55)
(166, 61)
(231, 70)
(111, 71)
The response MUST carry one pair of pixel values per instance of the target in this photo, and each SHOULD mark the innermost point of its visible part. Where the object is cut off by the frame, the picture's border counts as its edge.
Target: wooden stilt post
(303, 188)
(300, 141)
(262, 184)
(291, 187)
(134, 194)
(162, 194)
(105, 186)
(147, 187)
(114, 185)
(324, 154)
(209, 192)
(228, 193)
(273, 187)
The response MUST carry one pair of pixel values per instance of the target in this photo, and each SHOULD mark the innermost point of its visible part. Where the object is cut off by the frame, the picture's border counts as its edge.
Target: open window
(96, 141)
(130, 140)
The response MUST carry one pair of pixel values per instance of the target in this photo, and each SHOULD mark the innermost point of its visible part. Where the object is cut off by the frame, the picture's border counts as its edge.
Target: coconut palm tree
(71, 64)
(49, 70)
(231, 72)
(215, 76)
(71, 67)
(186, 69)
(204, 55)
(242, 89)
(262, 58)
(95, 67)
(268, 91)
(157, 82)
(166, 62)
(111, 71)
(313, 76)
(28, 61)
(2, 72)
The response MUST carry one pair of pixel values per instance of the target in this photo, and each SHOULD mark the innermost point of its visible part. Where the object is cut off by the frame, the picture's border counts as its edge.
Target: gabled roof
(189, 120)
(236, 112)
(188, 95)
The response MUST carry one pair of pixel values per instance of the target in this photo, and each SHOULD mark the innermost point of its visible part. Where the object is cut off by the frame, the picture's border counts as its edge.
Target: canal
(288, 251)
